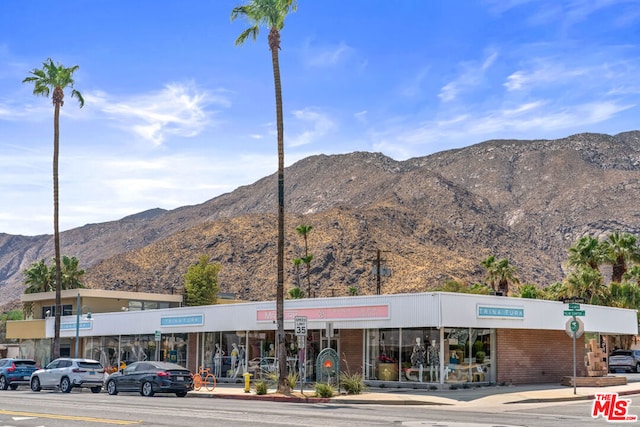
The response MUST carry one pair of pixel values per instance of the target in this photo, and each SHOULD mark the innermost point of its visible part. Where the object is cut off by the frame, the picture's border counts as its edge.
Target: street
(23, 408)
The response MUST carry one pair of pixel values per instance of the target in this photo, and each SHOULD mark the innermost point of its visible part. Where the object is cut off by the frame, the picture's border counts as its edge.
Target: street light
(78, 311)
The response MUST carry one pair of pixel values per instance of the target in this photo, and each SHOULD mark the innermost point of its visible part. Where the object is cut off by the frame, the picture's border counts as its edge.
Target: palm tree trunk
(56, 229)
(274, 44)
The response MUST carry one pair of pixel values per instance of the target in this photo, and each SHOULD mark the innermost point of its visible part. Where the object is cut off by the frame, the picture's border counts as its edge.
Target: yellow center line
(69, 417)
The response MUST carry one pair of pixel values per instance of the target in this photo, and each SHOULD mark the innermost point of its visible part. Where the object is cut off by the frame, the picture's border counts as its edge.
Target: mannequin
(234, 358)
(272, 351)
(217, 361)
(434, 360)
(417, 357)
(240, 361)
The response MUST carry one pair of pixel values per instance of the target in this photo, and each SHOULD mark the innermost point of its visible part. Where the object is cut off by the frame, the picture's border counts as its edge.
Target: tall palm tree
(56, 78)
(304, 231)
(271, 14)
(619, 249)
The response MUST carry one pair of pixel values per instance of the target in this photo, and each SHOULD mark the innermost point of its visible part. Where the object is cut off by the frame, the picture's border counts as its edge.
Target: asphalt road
(23, 408)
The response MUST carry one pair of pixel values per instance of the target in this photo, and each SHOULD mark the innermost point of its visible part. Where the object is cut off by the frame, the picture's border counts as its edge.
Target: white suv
(66, 373)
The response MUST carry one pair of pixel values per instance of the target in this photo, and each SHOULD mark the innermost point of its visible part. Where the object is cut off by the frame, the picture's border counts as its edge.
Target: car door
(47, 376)
(126, 380)
(61, 370)
(142, 371)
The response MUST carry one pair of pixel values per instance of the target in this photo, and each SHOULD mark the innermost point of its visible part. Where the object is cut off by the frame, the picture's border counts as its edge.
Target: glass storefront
(415, 354)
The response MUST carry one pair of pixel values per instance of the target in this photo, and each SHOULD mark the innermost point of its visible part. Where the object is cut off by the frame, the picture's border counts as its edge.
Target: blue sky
(175, 114)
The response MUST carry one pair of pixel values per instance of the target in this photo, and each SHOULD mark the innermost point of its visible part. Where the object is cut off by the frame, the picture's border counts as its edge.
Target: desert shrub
(324, 390)
(352, 383)
(261, 387)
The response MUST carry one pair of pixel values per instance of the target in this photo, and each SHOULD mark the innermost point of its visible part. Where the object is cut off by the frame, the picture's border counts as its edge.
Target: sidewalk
(492, 395)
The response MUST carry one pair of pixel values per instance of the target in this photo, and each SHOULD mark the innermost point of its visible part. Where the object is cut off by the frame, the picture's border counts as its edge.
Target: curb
(264, 397)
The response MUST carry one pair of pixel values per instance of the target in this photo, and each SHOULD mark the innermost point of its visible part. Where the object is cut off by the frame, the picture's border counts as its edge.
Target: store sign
(192, 320)
(72, 326)
(365, 312)
(500, 312)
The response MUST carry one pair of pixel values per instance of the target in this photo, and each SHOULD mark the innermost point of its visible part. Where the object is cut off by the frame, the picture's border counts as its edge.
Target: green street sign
(573, 306)
(574, 312)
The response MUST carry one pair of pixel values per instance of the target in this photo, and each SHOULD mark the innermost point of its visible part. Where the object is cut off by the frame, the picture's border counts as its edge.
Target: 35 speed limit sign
(301, 325)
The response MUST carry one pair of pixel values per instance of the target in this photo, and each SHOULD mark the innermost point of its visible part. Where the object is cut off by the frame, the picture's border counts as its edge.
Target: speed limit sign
(301, 325)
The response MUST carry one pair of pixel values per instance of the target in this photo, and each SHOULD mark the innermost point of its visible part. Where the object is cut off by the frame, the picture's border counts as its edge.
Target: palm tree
(506, 274)
(586, 252)
(38, 278)
(55, 78)
(490, 265)
(71, 273)
(304, 231)
(271, 13)
(296, 267)
(587, 283)
(618, 249)
(296, 293)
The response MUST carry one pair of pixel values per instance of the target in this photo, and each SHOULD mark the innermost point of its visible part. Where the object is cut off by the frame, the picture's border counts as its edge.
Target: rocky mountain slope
(433, 218)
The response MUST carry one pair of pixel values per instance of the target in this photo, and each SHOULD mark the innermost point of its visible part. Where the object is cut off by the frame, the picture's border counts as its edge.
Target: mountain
(433, 218)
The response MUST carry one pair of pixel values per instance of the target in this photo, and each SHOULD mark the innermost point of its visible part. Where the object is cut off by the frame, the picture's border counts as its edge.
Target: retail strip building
(407, 338)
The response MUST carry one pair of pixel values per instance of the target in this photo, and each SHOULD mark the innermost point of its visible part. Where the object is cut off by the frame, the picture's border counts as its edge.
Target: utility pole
(380, 271)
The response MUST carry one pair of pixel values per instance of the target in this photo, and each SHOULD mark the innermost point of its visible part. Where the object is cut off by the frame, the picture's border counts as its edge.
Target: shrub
(352, 383)
(261, 387)
(293, 379)
(324, 390)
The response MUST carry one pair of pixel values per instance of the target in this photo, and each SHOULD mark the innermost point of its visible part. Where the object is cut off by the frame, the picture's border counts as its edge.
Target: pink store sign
(360, 312)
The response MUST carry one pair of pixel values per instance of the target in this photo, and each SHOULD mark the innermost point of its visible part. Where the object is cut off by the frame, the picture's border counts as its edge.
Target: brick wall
(528, 356)
(351, 350)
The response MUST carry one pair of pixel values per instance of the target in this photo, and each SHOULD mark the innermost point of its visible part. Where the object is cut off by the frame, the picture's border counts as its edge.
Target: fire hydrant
(247, 382)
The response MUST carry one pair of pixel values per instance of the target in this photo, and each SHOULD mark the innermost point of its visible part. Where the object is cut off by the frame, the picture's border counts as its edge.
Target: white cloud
(178, 109)
(471, 76)
(318, 124)
(544, 72)
(326, 56)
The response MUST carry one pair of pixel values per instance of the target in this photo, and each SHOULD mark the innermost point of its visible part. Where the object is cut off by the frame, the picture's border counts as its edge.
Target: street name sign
(574, 313)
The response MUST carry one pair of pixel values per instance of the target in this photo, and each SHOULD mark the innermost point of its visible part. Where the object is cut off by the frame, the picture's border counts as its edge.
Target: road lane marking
(70, 417)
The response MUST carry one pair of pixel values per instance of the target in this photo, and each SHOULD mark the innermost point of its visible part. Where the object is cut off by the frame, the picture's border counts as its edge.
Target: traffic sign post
(300, 323)
(574, 328)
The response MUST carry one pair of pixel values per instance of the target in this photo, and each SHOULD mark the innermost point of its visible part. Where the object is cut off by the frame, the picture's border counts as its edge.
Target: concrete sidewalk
(490, 395)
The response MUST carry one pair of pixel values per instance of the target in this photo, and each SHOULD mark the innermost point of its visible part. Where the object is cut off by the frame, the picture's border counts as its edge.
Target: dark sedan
(149, 378)
(15, 372)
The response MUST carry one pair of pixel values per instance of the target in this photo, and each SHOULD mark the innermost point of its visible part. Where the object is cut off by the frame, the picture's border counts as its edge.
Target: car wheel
(111, 388)
(181, 393)
(3, 383)
(65, 385)
(35, 384)
(13, 386)
(147, 389)
(96, 389)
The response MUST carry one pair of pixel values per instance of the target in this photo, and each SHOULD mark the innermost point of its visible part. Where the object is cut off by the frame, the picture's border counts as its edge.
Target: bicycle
(203, 378)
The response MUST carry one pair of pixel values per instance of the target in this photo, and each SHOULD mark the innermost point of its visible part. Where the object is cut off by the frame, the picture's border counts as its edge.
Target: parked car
(149, 378)
(624, 360)
(15, 372)
(67, 373)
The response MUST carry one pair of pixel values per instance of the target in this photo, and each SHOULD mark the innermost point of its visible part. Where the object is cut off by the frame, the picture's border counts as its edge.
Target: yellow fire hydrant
(247, 382)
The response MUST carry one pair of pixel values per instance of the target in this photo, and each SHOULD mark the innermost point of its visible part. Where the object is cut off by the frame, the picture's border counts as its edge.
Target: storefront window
(467, 355)
(383, 355)
(420, 355)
